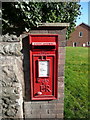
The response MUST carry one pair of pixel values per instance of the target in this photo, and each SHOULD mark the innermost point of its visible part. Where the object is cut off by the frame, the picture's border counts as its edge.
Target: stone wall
(15, 100)
(11, 76)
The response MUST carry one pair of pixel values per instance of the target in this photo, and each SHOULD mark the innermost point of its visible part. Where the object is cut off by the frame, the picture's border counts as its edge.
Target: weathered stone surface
(11, 112)
(11, 80)
(8, 77)
(9, 38)
(10, 49)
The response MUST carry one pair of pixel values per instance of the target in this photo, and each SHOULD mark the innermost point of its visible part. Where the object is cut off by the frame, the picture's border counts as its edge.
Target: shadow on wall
(26, 67)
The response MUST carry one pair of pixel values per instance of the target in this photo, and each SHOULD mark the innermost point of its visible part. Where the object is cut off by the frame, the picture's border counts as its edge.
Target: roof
(83, 24)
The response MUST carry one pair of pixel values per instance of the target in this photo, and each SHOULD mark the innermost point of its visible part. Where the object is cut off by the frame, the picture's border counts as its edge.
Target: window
(88, 43)
(74, 44)
(80, 34)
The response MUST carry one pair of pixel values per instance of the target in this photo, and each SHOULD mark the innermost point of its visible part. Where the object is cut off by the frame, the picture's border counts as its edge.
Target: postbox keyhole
(43, 57)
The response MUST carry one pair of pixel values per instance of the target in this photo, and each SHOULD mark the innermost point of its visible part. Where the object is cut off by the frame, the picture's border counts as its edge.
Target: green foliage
(76, 83)
(28, 14)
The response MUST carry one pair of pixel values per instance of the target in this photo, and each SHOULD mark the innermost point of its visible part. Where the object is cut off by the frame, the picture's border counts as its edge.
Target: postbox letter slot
(44, 47)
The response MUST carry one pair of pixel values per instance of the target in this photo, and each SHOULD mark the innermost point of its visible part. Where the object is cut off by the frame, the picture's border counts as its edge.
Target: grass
(76, 83)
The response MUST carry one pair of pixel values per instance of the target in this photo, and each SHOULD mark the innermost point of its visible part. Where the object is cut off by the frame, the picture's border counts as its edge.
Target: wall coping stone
(54, 24)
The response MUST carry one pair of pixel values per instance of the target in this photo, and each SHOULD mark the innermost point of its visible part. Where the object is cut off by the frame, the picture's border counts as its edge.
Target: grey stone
(5, 105)
(54, 25)
(14, 38)
(31, 106)
(48, 106)
(48, 115)
(11, 112)
(6, 100)
(2, 83)
(3, 111)
(7, 60)
(55, 111)
(1, 49)
(11, 76)
(8, 90)
(10, 38)
(8, 76)
(7, 70)
(10, 49)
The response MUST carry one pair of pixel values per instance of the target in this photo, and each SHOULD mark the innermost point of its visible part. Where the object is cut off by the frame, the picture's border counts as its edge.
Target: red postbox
(43, 66)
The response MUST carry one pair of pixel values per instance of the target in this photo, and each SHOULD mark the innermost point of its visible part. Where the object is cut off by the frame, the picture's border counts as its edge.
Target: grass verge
(76, 83)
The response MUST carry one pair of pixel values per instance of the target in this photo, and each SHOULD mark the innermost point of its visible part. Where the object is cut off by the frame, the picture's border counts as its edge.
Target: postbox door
(43, 76)
(43, 66)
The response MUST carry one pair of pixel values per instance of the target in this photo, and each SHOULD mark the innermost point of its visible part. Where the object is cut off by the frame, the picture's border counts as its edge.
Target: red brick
(75, 35)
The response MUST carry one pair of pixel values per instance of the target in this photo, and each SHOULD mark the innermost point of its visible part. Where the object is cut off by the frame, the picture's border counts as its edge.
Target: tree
(25, 15)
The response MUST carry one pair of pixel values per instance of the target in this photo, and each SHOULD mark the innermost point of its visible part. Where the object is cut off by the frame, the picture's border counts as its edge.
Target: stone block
(48, 116)
(31, 106)
(10, 90)
(11, 80)
(61, 50)
(61, 56)
(60, 115)
(39, 111)
(48, 106)
(61, 79)
(7, 60)
(55, 111)
(61, 62)
(59, 106)
(9, 49)
(11, 112)
(31, 113)
(61, 97)
(29, 116)
(8, 76)
(62, 44)
(61, 73)
(61, 90)
(9, 38)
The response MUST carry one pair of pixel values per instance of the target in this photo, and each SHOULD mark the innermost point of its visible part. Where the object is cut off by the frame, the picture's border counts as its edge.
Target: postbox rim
(53, 56)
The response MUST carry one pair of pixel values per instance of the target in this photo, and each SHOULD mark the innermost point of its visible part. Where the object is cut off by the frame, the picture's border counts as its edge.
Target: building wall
(74, 37)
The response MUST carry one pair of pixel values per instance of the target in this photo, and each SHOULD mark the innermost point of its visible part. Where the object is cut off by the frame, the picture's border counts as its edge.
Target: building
(80, 37)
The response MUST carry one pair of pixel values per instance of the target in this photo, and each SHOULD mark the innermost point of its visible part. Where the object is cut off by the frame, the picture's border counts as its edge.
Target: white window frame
(74, 44)
(88, 43)
(80, 34)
